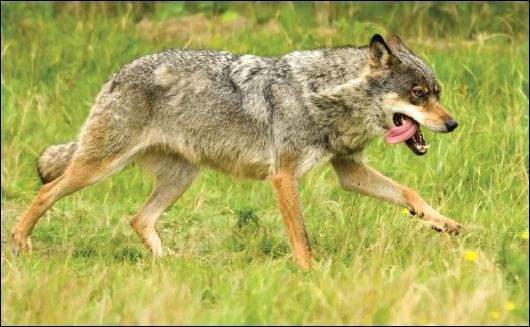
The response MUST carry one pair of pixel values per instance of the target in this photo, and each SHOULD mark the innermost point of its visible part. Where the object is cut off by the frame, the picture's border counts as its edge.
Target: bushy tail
(54, 160)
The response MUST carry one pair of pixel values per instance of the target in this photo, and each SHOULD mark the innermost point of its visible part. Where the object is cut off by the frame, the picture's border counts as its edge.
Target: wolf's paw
(21, 243)
(157, 251)
(443, 224)
(305, 263)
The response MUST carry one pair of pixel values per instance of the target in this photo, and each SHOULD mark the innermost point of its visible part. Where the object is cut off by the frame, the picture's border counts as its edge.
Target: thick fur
(53, 161)
(260, 117)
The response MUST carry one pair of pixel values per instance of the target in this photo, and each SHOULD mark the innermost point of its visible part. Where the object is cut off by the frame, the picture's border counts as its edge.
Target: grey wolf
(268, 118)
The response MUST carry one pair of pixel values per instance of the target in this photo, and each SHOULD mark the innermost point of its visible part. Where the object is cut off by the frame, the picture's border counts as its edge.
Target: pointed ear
(396, 44)
(380, 53)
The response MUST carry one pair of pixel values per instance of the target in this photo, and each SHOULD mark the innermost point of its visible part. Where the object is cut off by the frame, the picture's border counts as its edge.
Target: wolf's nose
(451, 124)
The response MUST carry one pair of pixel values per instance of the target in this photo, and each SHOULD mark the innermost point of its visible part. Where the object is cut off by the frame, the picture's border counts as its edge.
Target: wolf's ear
(396, 44)
(380, 53)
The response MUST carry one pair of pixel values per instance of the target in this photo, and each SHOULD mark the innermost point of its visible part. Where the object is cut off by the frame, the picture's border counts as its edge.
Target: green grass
(230, 258)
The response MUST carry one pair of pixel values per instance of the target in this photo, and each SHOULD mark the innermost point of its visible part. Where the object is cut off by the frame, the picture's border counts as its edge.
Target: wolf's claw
(448, 226)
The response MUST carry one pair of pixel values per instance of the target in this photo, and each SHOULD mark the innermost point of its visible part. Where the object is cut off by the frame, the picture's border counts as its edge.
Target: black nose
(451, 124)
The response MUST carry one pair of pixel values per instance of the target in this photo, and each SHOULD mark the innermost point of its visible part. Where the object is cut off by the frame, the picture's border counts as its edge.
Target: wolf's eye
(418, 93)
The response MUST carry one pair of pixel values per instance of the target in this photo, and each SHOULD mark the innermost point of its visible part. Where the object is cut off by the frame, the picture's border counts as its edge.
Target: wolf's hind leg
(356, 176)
(173, 177)
(80, 173)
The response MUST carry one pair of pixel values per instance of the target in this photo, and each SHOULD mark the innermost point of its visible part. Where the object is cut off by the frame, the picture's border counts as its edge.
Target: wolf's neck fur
(338, 97)
(324, 68)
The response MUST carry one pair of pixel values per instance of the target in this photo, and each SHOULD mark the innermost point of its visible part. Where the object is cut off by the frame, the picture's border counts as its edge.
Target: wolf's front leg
(286, 187)
(356, 176)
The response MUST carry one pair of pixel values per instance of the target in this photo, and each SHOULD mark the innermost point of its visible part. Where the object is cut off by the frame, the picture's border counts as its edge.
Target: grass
(230, 258)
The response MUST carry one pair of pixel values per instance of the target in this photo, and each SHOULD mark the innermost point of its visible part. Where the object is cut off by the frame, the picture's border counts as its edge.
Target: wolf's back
(54, 159)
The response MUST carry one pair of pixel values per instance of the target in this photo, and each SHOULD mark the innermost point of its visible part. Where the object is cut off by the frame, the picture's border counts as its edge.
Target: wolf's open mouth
(408, 130)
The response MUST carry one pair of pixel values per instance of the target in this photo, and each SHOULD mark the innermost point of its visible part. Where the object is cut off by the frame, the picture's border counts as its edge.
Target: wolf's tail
(53, 161)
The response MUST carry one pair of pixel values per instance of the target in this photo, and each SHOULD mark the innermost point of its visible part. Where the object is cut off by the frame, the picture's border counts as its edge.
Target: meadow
(229, 258)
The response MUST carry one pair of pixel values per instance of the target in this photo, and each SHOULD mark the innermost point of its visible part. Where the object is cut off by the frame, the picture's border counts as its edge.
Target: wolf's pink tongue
(402, 133)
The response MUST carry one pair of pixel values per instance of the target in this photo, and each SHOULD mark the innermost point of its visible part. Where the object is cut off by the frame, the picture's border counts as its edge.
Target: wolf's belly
(255, 168)
(242, 158)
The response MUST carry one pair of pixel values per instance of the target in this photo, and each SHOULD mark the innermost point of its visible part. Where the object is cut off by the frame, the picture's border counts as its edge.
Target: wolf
(266, 118)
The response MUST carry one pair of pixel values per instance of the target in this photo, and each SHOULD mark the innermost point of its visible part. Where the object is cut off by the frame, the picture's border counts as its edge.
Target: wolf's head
(410, 93)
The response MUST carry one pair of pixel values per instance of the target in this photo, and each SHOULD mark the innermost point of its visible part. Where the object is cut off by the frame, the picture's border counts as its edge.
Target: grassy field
(229, 260)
